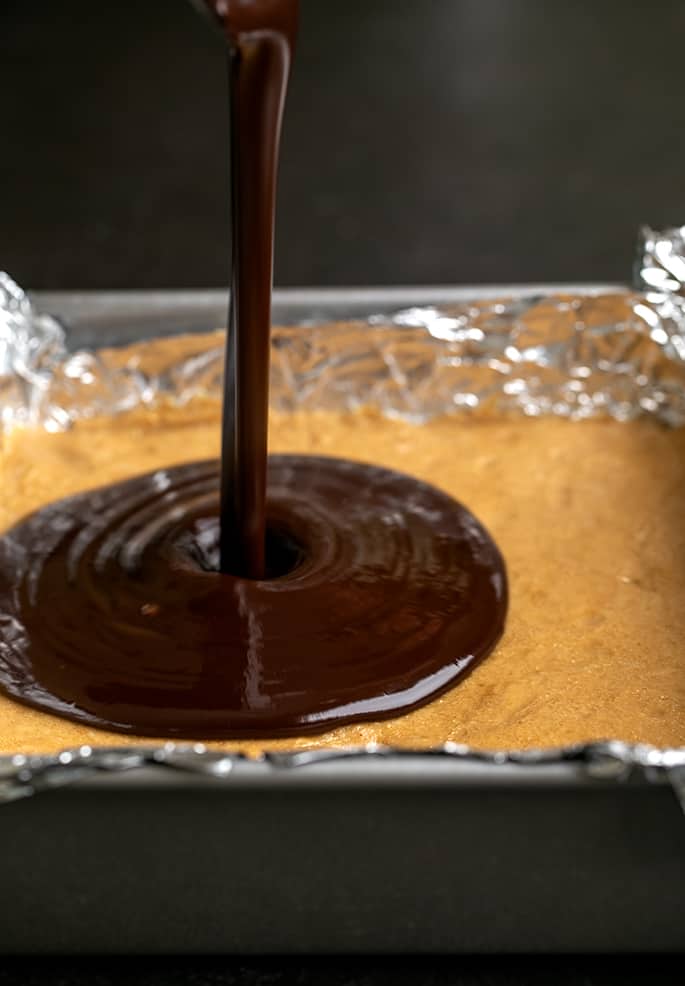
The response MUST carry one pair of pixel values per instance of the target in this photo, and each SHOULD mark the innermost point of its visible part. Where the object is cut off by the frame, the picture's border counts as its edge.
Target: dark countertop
(446, 141)
(453, 141)
(425, 971)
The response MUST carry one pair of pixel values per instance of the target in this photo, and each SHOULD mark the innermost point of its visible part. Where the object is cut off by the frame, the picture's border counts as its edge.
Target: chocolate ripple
(383, 592)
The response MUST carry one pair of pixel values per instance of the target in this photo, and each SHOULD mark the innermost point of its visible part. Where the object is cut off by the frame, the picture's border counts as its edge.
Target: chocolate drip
(261, 37)
(384, 592)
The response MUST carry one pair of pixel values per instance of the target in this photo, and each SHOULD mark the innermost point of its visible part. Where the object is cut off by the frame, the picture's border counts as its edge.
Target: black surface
(310, 865)
(346, 971)
(433, 141)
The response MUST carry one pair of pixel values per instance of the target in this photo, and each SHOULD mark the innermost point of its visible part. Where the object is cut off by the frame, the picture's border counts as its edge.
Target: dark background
(407, 971)
(426, 141)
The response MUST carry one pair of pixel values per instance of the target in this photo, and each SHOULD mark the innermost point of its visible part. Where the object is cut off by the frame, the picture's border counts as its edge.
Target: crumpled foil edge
(618, 354)
(23, 775)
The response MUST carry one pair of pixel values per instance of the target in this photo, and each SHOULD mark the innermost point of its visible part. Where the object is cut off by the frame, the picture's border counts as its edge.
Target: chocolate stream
(260, 35)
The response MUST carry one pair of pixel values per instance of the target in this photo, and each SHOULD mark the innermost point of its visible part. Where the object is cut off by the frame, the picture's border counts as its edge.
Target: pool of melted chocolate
(187, 603)
(383, 592)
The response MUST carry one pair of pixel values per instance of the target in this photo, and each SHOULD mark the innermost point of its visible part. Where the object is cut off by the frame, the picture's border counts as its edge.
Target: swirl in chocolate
(383, 592)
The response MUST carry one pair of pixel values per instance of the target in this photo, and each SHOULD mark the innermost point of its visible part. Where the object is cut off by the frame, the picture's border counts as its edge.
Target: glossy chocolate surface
(383, 592)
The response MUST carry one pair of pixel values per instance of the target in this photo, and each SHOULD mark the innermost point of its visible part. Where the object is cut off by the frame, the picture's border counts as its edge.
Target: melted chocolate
(366, 594)
(261, 36)
(114, 615)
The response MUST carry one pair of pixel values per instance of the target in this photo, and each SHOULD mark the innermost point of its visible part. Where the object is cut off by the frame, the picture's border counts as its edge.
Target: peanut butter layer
(589, 517)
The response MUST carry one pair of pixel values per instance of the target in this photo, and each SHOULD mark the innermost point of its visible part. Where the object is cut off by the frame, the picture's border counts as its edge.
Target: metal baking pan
(180, 850)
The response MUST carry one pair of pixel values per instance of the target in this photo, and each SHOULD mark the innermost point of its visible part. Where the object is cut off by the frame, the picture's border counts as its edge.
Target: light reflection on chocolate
(383, 592)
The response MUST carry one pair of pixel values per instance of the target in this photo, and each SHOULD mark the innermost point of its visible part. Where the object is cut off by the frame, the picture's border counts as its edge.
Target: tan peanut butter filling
(588, 515)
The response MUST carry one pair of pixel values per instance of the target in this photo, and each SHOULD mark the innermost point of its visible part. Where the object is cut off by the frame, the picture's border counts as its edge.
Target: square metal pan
(169, 851)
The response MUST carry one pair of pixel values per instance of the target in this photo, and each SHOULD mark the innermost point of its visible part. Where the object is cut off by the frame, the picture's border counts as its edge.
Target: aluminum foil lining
(660, 268)
(22, 776)
(619, 354)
